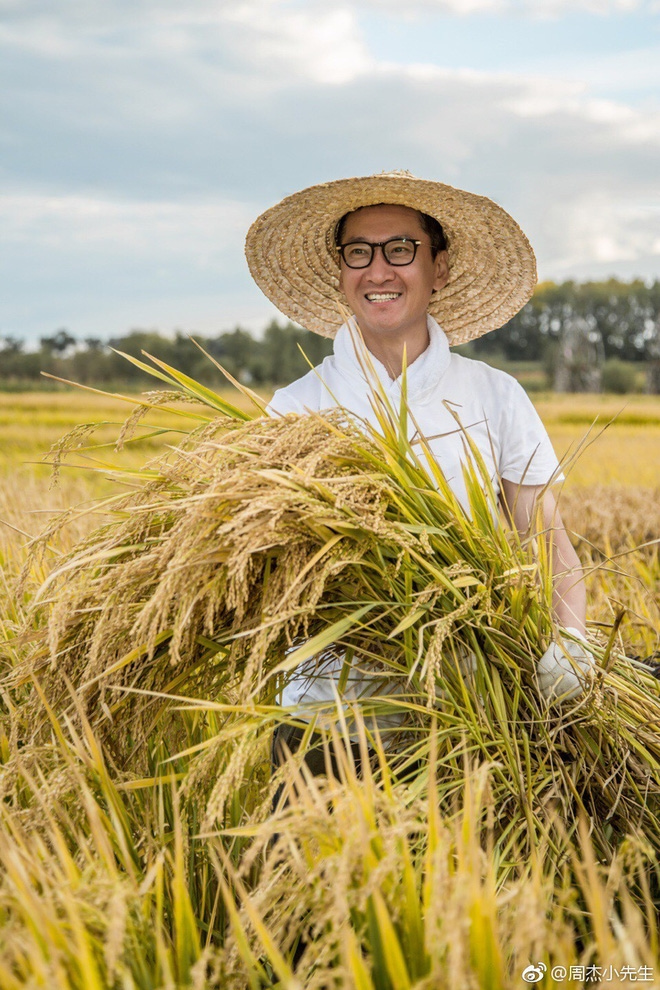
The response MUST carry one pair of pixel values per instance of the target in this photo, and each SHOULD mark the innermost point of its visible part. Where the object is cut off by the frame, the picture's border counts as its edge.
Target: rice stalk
(314, 534)
(486, 829)
(387, 895)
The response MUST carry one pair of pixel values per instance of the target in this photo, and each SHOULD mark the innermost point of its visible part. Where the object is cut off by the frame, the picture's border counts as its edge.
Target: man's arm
(521, 504)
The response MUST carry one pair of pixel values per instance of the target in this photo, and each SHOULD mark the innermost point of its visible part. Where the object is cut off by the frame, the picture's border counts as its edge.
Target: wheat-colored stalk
(138, 842)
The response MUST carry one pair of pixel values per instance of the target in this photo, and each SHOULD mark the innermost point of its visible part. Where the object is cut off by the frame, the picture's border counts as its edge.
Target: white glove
(563, 668)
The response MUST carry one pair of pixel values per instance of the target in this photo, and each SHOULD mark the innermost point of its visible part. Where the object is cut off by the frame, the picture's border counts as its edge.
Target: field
(120, 876)
(623, 431)
(609, 444)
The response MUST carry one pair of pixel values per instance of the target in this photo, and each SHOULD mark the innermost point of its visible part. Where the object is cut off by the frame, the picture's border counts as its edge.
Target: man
(421, 265)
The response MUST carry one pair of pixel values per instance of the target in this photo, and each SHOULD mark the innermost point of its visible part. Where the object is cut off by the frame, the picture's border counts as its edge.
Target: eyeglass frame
(381, 245)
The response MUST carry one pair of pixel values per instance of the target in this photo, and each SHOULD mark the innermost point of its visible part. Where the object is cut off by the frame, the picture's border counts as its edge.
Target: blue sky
(138, 140)
(571, 44)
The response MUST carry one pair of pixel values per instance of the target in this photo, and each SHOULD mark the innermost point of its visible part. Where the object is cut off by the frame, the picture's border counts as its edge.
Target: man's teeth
(377, 296)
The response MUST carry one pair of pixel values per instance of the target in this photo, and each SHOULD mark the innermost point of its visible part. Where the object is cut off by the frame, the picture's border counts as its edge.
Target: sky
(140, 138)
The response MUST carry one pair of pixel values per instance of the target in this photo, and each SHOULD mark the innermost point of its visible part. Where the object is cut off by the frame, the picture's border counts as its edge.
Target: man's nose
(379, 269)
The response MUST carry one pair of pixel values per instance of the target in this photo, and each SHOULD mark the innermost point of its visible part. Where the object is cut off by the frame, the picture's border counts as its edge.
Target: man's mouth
(382, 296)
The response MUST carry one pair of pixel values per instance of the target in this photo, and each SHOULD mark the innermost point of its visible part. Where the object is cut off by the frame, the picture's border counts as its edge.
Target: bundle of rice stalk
(363, 889)
(257, 545)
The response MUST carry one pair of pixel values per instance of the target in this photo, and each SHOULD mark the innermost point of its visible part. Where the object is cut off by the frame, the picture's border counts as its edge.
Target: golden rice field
(610, 445)
(138, 845)
(619, 436)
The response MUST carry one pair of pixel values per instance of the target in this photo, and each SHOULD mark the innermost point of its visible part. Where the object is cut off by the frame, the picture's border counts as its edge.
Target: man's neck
(390, 350)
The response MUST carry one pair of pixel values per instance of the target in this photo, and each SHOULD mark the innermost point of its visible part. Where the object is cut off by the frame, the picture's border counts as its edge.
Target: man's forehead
(383, 212)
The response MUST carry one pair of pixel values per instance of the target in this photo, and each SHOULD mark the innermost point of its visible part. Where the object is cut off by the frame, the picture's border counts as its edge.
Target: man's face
(390, 300)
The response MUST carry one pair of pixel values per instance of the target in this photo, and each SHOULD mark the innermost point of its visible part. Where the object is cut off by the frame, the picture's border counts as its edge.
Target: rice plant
(484, 830)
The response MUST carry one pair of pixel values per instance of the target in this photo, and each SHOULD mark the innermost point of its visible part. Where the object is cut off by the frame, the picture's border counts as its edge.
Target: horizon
(277, 317)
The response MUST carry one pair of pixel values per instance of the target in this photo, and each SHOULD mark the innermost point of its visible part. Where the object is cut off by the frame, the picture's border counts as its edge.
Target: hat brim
(291, 253)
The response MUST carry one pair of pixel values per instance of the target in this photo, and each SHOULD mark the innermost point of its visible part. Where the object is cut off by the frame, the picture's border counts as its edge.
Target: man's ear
(441, 270)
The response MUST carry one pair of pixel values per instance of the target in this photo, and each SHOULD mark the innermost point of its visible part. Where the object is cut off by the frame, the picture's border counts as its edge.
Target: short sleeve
(282, 403)
(301, 396)
(527, 456)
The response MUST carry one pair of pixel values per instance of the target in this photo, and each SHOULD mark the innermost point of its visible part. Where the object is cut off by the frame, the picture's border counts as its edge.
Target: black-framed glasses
(397, 251)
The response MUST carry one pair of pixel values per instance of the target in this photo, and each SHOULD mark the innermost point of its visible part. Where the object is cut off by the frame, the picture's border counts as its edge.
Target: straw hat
(291, 253)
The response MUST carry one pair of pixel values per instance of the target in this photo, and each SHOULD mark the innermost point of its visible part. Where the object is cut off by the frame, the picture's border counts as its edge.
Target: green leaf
(322, 640)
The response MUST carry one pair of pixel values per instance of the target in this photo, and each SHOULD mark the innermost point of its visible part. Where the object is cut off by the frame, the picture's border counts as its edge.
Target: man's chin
(382, 328)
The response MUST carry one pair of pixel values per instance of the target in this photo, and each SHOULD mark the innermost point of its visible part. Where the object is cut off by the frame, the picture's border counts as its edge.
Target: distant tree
(283, 360)
(618, 376)
(14, 362)
(90, 364)
(235, 350)
(653, 367)
(11, 356)
(61, 342)
(579, 355)
(10, 345)
(134, 343)
(623, 315)
(621, 319)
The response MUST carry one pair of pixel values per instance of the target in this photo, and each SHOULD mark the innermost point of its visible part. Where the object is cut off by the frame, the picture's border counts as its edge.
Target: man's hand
(564, 668)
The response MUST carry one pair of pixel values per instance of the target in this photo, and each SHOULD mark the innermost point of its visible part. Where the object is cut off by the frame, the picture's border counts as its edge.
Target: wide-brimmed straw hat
(292, 256)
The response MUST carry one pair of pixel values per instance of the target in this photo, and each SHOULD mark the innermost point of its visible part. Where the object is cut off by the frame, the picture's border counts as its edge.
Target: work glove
(564, 668)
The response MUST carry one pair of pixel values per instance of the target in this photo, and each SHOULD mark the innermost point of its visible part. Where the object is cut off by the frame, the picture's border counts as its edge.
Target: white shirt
(441, 388)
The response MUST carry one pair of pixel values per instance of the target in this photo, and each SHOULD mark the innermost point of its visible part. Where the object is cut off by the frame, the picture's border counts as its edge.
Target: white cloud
(636, 70)
(100, 266)
(625, 124)
(528, 8)
(84, 222)
(610, 231)
(140, 139)
(319, 43)
(277, 37)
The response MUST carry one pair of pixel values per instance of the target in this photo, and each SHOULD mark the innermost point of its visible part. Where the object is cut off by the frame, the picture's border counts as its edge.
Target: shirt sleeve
(299, 397)
(527, 456)
(282, 403)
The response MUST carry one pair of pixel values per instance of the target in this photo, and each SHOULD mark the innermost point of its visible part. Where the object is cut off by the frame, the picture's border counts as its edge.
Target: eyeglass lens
(398, 251)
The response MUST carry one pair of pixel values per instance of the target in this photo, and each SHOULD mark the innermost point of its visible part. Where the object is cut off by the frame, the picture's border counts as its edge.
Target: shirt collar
(354, 359)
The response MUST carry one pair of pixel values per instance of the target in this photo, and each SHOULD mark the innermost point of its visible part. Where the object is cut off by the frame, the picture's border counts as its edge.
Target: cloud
(139, 140)
(56, 222)
(276, 38)
(526, 8)
(316, 43)
(99, 266)
(613, 233)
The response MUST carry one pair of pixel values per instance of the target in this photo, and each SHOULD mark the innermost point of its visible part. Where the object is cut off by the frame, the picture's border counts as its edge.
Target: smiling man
(388, 278)
(419, 266)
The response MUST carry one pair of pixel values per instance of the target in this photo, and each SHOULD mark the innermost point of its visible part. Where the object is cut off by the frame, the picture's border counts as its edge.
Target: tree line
(274, 358)
(622, 319)
(616, 321)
